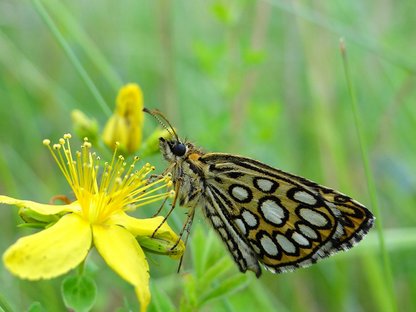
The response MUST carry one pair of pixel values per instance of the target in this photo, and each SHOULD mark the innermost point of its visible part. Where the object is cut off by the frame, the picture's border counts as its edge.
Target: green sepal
(85, 127)
(160, 246)
(37, 220)
(151, 145)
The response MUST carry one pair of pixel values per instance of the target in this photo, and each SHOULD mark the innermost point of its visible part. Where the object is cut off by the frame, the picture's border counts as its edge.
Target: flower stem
(81, 268)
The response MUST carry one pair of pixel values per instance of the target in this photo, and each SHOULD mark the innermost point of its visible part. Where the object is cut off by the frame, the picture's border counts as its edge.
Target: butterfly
(263, 215)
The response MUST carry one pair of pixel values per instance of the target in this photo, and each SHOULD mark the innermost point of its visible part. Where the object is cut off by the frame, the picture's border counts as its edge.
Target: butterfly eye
(179, 149)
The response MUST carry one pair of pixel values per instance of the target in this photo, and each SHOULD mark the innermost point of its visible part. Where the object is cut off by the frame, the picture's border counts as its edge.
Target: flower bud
(151, 145)
(84, 126)
(126, 123)
(164, 244)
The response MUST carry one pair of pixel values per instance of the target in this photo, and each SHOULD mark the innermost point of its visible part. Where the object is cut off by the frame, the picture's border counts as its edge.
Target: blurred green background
(264, 79)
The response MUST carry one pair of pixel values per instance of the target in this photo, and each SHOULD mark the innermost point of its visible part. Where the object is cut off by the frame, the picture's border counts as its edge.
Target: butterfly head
(172, 149)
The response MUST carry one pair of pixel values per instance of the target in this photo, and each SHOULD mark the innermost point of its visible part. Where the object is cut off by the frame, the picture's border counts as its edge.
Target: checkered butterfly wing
(279, 219)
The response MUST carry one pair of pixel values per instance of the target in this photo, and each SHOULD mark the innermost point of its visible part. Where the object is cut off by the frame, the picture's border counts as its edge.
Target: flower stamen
(120, 188)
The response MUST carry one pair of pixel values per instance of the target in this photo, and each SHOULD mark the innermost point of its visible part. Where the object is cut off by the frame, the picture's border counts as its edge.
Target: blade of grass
(29, 75)
(86, 43)
(370, 182)
(4, 305)
(366, 41)
(229, 286)
(71, 55)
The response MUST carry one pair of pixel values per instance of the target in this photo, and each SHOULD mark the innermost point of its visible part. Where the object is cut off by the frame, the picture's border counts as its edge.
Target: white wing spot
(239, 193)
(300, 239)
(305, 197)
(268, 245)
(255, 248)
(216, 221)
(313, 217)
(308, 231)
(265, 185)
(230, 244)
(223, 232)
(272, 211)
(286, 244)
(240, 224)
(249, 218)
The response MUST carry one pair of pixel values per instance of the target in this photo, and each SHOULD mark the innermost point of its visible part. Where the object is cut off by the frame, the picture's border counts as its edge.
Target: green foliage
(79, 292)
(215, 276)
(36, 307)
(263, 79)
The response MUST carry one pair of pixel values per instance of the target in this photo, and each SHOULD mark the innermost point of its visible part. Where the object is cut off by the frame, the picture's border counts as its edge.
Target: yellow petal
(44, 209)
(135, 139)
(51, 252)
(142, 227)
(162, 242)
(123, 254)
(114, 131)
(108, 132)
(129, 103)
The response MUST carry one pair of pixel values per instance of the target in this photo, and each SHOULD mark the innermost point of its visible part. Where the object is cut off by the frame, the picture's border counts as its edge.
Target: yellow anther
(87, 145)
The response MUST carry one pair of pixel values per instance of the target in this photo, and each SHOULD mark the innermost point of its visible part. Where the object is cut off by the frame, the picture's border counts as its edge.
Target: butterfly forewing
(287, 221)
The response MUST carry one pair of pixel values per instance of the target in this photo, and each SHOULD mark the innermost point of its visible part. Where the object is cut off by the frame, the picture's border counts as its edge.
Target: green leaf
(79, 292)
(226, 288)
(161, 301)
(198, 248)
(254, 57)
(216, 271)
(36, 307)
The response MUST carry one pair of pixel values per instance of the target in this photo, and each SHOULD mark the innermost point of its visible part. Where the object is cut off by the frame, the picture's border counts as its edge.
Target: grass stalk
(370, 181)
(71, 55)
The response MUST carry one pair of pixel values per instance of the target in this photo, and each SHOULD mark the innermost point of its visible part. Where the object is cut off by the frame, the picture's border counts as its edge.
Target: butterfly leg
(160, 208)
(177, 187)
(187, 227)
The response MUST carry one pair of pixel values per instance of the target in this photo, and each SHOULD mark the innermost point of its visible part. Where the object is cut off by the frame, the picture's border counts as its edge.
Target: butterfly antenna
(164, 122)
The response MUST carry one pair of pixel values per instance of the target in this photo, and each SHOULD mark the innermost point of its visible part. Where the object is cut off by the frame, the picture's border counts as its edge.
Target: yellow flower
(125, 125)
(97, 217)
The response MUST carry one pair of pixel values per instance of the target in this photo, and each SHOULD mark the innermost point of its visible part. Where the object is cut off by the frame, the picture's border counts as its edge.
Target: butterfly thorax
(185, 169)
